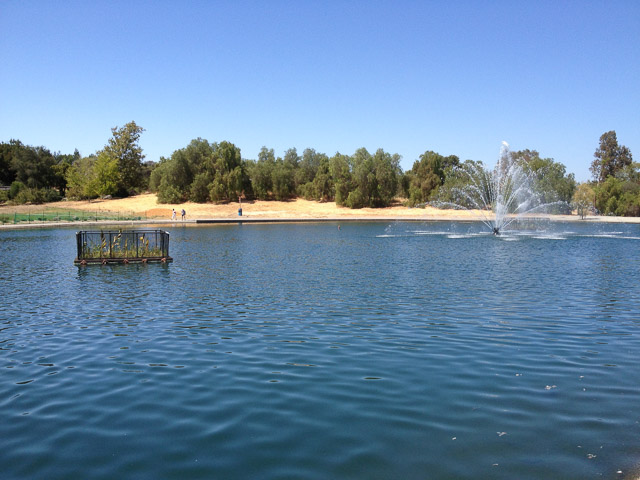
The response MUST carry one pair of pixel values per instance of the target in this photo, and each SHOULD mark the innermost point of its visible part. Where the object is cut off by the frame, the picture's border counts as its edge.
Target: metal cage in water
(122, 246)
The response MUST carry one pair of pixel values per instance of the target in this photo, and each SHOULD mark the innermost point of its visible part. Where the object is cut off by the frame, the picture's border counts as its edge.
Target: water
(401, 350)
(501, 195)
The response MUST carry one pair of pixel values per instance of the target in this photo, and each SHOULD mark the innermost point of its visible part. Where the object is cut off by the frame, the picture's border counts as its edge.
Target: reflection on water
(374, 351)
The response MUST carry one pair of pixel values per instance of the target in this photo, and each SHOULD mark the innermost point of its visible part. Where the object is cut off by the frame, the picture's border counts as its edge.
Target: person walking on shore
(173, 215)
(183, 214)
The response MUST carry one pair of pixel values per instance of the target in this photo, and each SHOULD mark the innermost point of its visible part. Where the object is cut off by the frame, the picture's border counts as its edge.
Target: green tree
(124, 148)
(282, 180)
(292, 158)
(363, 177)
(427, 175)
(33, 166)
(551, 181)
(187, 174)
(167, 193)
(609, 157)
(323, 185)
(616, 196)
(340, 173)
(617, 177)
(15, 188)
(583, 199)
(217, 189)
(104, 179)
(200, 156)
(608, 194)
(307, 168)
(261, 173)
(457, 179)
(62, 165)
(147, 168)
(200, 188)
(230, 168)
(178, 172)
(200, 172)
(375, 179)
(80, 179)
(7, 173)
(388, 172)
(155, 177)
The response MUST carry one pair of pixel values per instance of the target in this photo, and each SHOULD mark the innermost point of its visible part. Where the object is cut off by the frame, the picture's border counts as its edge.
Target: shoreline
(279, 220)
(293, 211)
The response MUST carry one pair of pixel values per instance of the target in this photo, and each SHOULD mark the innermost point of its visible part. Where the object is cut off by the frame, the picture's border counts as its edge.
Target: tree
(457, 181)
(387, 172)
(200, 188)
(609, 157)
(200, 172)
(33, 166)
(7, 174)
(229, 167)
(105, 176)
(323, 186)
(60, 169)
(282, 180)
(178, 172)
(167, 193)
(617, 177)
(427, 175)
(123, 147)
(307, 168)
(363, 180)
(583, 199)
(340, 172)
(292, 158)
(80, 178)
(261, 173)
(147, 168)
(375, 179)
(615, 196)
(551, 181)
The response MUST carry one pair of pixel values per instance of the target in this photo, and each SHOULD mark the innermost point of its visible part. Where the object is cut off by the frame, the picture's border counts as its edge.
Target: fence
(67, 216)
(122, 246)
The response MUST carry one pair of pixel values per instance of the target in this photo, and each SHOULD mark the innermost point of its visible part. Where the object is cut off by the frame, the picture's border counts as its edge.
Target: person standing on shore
(183, 214)
(173, 215)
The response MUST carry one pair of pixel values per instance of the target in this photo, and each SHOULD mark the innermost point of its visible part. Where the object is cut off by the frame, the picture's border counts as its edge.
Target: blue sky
(455, 77)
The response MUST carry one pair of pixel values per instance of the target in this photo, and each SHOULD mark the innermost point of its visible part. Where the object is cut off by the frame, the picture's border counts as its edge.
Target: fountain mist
(501, 195)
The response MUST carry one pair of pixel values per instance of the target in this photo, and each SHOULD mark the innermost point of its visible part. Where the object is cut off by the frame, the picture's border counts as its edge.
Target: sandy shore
(146, 206)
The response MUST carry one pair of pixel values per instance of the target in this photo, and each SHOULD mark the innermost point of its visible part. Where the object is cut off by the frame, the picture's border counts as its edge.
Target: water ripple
(300, 351)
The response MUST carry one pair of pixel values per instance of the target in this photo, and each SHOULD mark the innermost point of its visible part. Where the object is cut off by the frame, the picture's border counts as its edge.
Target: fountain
(501, 195)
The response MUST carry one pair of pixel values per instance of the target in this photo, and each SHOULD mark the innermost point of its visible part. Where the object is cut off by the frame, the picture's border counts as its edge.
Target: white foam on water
(457, 235)
(550, 237)
(611, 235)
(422, 232)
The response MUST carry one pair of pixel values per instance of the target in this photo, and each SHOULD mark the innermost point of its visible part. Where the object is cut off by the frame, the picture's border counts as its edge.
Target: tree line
(212, 172)
(206, 171)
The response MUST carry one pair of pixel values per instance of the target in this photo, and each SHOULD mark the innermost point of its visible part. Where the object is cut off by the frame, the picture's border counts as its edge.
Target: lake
(377, 350)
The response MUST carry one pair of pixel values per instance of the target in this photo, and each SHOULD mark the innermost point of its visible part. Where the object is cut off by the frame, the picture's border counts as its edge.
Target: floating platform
(107, 247)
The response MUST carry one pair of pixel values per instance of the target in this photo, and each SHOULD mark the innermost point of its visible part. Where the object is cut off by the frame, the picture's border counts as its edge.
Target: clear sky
(455, 77)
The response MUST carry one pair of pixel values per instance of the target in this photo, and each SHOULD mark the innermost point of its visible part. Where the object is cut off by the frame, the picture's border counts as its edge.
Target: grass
(65, 216)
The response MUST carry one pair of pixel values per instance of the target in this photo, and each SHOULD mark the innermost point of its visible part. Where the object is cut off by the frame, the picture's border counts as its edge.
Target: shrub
(168, 193)
(217, 190)
(200, 188)
(356, 199)
(15, 188)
